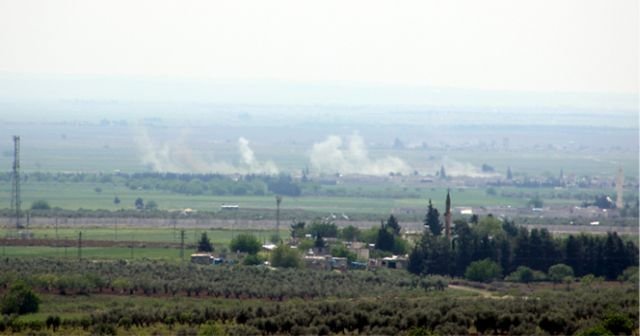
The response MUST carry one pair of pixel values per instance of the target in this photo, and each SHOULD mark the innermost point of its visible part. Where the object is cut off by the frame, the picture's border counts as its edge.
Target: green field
(168, 254)
(219, 238)
(73, 196)
(167, 235)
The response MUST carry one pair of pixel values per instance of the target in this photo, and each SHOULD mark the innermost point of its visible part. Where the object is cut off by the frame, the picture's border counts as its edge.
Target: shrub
(555, 324)
(343, 252)
(20, 299)
(597, 330)
(618, 324)
(40, 205)
(630, 274)
(245, 242)
(253, 259)
(483, 270)
(53, 322)
(284, 256)
(104, 329)
(211, 329)
(557, 273)
(521, 274)
(151, 205)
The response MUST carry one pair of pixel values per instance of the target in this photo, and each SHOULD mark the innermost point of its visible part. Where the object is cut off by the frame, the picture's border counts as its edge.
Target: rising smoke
(176, 156)
(250, 164)
(331, 156)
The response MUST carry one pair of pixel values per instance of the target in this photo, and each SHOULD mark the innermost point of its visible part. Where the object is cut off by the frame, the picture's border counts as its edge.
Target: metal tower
(15, 181)
(620, 189)
(278, 201)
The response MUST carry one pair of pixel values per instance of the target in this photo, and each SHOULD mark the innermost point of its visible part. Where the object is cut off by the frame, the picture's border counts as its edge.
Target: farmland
(319, 168)
(123, 298)
(105, 203)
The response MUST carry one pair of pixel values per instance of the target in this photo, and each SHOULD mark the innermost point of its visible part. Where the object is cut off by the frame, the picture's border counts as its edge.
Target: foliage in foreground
(611, 311)
(159, 278)
(19, 299)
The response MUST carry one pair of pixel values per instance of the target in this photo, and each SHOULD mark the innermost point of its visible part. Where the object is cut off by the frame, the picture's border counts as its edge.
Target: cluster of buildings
(317, 259)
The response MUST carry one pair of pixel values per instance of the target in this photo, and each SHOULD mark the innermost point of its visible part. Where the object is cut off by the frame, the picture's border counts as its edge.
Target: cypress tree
(204, 245)
(432, 220)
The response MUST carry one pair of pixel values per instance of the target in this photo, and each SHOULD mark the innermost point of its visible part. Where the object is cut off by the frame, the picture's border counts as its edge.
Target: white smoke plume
(331, 156)
(250, 164)
(176, 156)
(159, 157)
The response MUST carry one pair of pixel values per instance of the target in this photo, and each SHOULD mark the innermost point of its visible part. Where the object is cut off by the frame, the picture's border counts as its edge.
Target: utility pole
(278, 201)
(182, 245)
(79, 245)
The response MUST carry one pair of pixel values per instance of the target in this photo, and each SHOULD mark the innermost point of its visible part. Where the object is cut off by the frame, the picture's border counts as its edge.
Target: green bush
(40, 205)
(483, 271)
(597, 330)
(284, 256)
(522, 274)
(618, 324)
(525, 274)
(20, 299)
(557, 273)
(342, 251)
(245, 242)
(630, 274)
(252, 260)
(53, 322)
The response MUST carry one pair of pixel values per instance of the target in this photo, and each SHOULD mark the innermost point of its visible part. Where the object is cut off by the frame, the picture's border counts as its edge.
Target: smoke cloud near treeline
(176, 156)
(334, 155)
(249, 161)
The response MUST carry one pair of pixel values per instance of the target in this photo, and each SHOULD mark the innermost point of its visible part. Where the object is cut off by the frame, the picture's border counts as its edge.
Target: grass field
(219, 238)
(168, 254)
(168, 235)
(73, 196)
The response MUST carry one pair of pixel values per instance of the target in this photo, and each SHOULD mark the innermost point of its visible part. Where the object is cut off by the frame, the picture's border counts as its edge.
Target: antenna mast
(620, 189)
(15, 181)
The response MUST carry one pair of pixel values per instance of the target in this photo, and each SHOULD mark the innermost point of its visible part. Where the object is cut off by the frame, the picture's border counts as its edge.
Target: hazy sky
(580, 45)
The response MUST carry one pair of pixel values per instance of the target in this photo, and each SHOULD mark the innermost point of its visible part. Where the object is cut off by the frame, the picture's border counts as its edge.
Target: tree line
(510, 246)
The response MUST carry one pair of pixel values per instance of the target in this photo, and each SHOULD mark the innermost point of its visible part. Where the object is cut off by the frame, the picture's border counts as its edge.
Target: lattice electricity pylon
(15, 182)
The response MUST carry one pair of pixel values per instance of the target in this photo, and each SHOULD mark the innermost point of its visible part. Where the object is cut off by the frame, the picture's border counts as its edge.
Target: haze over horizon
(581, 54)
